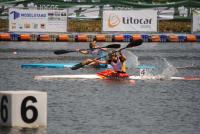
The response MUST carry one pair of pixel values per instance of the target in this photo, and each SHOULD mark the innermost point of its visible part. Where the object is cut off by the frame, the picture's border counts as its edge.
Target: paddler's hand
(95, 60)
(97, 46)
(77, 50)
(120, 52)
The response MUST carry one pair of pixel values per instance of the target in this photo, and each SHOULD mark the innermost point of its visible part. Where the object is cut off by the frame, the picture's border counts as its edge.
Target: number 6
(25, 108)
(4, 116)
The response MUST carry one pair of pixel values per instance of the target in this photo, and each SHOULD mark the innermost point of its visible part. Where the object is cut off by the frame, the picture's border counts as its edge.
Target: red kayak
(110, 74)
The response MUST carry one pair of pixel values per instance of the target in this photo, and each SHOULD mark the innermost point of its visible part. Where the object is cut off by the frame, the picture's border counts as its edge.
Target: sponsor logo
(27, 25)
(35, 26)
(132, 20)
(33, 15)
(63, 14)
(113, 20)
(27, 15)
(50, 14)
(20, 26)
(13, 25)
(42, 26)
(15, 14)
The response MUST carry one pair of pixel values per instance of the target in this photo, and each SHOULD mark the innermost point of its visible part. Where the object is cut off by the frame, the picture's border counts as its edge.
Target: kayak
(52, 65)
(131, 77)
(110, 74)
(47, 65)
(69, 65)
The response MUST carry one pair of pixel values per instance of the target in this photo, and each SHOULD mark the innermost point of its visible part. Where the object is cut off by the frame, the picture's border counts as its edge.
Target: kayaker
(118, 63)
(96, 52)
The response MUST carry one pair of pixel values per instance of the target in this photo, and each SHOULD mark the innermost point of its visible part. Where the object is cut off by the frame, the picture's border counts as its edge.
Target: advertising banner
(130, 20)
(32, 20)
(196, 21)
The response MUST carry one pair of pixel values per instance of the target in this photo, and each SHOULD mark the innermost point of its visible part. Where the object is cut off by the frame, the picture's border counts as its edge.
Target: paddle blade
(63, 51)
(113, 46)
(135, 43)
(77, 66)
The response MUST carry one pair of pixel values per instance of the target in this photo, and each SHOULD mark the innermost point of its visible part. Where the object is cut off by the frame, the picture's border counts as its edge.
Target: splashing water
(132, 59)
(170, 70)
(163, 68)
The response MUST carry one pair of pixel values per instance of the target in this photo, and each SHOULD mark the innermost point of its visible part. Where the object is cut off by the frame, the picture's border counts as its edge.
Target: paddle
(58, 52)
(131, 44)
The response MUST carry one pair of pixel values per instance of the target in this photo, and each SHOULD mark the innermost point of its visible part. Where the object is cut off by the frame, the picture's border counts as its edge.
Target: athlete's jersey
(118, 66)
(96, 53)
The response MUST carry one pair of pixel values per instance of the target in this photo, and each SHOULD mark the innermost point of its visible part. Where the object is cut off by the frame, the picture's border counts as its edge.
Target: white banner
(21, 20)
(196, 22)
(130, 20)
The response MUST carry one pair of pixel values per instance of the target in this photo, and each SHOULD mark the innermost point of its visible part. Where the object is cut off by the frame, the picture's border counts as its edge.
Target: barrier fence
(100, 37)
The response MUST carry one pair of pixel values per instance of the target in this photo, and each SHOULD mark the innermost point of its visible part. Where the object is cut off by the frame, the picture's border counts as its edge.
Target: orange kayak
(110, 74)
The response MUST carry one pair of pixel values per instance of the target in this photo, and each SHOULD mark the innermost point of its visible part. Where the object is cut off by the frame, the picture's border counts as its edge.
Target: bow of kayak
(48, 65)
(82, 76)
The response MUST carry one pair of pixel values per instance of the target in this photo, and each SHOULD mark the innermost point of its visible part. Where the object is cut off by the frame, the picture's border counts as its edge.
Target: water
(102, 106)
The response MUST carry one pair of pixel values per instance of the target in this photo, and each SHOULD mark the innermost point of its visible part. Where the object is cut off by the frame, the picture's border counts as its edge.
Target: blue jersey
(96, 53)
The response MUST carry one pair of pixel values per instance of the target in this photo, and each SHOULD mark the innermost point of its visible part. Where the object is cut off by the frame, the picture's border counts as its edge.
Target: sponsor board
(24, 20)
(196, 21)
(130, 20)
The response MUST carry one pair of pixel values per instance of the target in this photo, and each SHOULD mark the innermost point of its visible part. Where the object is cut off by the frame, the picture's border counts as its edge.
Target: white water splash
(163, 68)
(132, 59)
(170, 70)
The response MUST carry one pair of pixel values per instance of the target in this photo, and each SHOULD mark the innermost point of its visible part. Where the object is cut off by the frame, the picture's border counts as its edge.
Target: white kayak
(94, 76)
